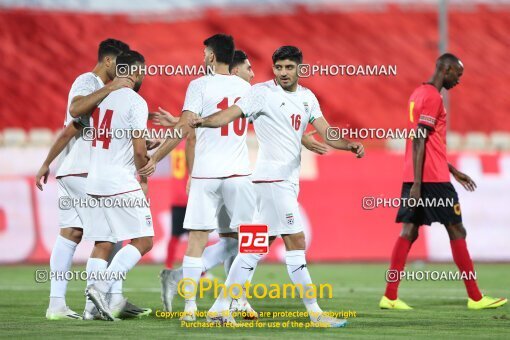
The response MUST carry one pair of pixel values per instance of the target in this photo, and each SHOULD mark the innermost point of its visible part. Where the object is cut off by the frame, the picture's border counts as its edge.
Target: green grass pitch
(440, 307)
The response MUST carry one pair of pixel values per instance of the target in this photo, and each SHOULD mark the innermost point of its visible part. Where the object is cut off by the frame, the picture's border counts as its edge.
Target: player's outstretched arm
(462, 178)
(189, 152)
(321, 125)
(168, 145)
(312, 144)
(82, 105)
(62, 140)
(163, 118)
(218, 119)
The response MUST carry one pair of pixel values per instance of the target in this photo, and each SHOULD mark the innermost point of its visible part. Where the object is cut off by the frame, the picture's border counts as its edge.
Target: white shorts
(278, 208)
(124, 222)
(70, 188)
(207, 196)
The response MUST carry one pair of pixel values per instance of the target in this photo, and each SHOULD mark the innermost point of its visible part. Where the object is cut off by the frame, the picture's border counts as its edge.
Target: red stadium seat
(45, 51)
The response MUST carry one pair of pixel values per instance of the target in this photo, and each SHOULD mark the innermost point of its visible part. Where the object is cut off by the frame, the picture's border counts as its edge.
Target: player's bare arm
(152, 143)
(163, 118)
(63, 139)
(168, 145)
(321, 125)
(418, 161)
(462, 178)
(189, 151)
(140, 152)
(218, 119)
(82, 105)
(144, 184)
(312, 144)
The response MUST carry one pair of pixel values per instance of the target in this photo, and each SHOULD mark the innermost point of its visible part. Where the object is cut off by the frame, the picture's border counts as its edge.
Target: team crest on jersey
(305, 104)
(290, 219)
(148, 220)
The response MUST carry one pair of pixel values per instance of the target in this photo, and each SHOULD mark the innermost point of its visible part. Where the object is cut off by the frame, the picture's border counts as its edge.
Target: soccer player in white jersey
(86, 92)
(220, 164)
(118, 150)
(281, 110)
(225, 250)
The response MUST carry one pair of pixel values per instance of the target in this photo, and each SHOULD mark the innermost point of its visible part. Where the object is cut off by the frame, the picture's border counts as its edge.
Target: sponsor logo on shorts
(290, 218)
(253, 239)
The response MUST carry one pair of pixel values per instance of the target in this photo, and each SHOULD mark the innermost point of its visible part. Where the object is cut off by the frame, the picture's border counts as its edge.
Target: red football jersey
(426, 109)
(179, 175)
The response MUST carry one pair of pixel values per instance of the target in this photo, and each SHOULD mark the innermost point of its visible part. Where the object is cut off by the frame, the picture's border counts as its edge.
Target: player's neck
(436, 81)
(100, 71)
(221, 69)
(293, 88)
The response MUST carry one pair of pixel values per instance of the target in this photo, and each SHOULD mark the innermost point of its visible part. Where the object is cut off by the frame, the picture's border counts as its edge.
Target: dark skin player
(447, 75)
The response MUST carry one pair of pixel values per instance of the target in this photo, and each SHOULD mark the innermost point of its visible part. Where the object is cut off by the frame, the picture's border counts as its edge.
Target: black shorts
(439, 203)
(178, 214)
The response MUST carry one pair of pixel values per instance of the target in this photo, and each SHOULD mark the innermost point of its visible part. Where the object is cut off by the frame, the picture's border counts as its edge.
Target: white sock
(93, 265)
(116, 292)
(214, 254)
(122, 262)
(241, 271)
(117, 287)
(296, 267)
(60, 261)
(191, 269)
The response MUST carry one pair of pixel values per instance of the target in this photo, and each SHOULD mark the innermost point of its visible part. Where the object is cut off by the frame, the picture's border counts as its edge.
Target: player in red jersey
(427, 177)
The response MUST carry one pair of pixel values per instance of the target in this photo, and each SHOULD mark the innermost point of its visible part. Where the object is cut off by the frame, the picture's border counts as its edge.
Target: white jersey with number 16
(280, 118)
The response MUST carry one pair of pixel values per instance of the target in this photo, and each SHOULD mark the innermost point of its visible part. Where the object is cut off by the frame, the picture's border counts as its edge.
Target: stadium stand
(45, 51)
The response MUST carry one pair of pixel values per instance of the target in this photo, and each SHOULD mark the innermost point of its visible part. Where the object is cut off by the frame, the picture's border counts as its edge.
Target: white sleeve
(315, 109)
(83, 86)
(194, 97)
(252, 102)
(138, 115)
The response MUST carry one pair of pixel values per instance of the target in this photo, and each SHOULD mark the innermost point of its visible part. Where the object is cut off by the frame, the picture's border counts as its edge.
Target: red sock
(463, 261)
(170, 251)
(398, 261)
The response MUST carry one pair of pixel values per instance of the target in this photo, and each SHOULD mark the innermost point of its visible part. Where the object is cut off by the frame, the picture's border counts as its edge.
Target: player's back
(112, 168)
(74, 159)
(220, 152)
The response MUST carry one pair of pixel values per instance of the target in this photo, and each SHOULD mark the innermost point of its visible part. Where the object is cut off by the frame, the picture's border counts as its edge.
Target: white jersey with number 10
(220, 152)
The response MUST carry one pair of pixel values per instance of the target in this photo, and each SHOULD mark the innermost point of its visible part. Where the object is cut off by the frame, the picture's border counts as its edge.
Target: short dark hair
(130, 58)
(288, 52)
(222, 46)
(447, 59)
(111, 47)
(239, 58)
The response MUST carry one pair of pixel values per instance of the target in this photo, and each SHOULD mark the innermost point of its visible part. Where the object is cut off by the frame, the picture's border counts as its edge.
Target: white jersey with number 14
(112, 167)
